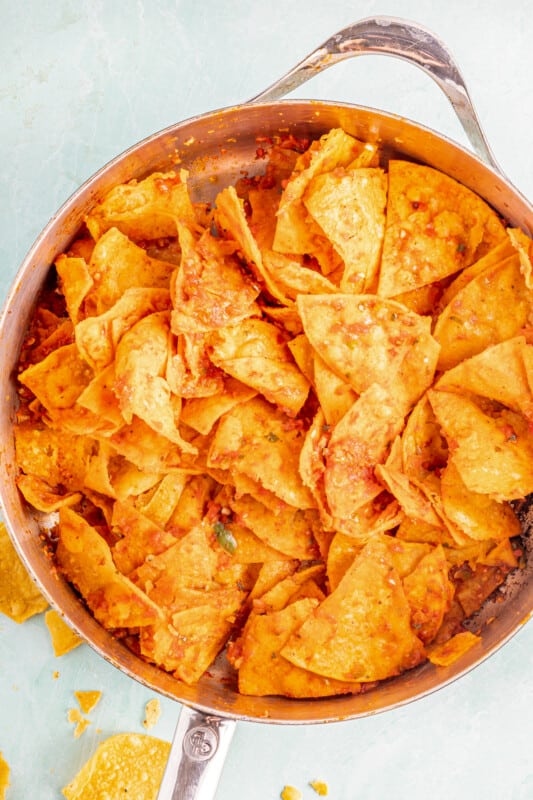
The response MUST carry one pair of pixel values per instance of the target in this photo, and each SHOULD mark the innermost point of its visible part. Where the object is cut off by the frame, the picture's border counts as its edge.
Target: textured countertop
(79, 82)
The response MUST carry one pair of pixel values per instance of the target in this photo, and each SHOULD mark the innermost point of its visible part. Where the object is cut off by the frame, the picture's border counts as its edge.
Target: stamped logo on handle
(200, 743)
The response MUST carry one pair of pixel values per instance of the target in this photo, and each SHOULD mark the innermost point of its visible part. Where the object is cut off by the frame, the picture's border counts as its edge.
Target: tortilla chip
(20, 598)
(361, 631)
(349, 206)
(203, 412)
(493, 454)
(498, 373)
(292, 277)
(303, 354)
(341, 555)
(76, 282)
(139, 537)
(493, 307)
(362, 338)
(358, 443)
(189, 372)
(163, 500)
(312, 466)
(59, 379)
(129, 764)
(443, 655)
(191, 506)
(250, 548)
(88, 700)
(435, 227)
(139, 383)
(424, 449)
(253, 439)
(290, 531)
(478, 515)
(429, 594)
(210, 290)
(146, 209)
(132, 267)
(406, 555)
(502, 251)
(64, 639)
(271, 574)
(334, 149)
(188, 645)
(97, 337)
(335, 395)
(85, 558)
(99, 398)
(411, 499)
(4, 777)
(39, 494)
(524, 245)
(255, 354)
(288, 589)
(262, 668)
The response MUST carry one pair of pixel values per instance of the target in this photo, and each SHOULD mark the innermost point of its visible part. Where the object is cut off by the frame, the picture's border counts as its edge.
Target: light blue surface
(81, 81)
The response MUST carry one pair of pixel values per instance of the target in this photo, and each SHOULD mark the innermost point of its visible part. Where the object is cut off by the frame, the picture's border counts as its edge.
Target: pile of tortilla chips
(293, 423)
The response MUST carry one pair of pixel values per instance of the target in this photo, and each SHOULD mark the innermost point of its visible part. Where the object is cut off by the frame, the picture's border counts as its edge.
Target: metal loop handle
(197, 756)
(402, 39)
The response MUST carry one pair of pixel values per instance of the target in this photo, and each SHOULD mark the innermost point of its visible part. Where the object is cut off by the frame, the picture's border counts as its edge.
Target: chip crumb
(152, 713)
(87, 700)
(291, 793)
(4, 776)
(82, 723)
(63, 638)
(55, 674)
(320, 787)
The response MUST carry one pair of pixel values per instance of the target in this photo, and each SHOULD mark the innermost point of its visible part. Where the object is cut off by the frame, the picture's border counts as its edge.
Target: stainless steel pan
(216, 148)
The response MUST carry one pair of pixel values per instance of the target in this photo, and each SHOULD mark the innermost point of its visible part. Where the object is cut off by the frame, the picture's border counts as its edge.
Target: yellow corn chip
(64, 639)
(127, 764)
(88, 700)
(20, 598)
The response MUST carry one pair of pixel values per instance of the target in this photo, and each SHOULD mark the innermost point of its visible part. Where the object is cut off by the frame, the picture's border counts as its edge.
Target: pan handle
(196, 757)
(399, 38)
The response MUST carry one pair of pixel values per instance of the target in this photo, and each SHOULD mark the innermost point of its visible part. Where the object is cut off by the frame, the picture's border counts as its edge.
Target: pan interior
(218, 149)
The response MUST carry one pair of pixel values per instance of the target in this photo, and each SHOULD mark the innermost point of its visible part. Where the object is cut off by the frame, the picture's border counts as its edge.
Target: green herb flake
(225, 538)
(461, 247)
(272, 437)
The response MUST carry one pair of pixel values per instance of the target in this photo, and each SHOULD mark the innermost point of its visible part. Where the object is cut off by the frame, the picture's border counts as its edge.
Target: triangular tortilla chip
(499, 373)
(361, 631)
(210, 288)
(255, 354)
(358, 443)
(362, 338)
(132, 267)
(290, 531)
(20, 598)
(493, 307)
(146, 209)
(493, 454)
(477, 515)
(349, 206)
(253, 439)
(262, 668)
(429, 594)
(435, 227)
(85, 558)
